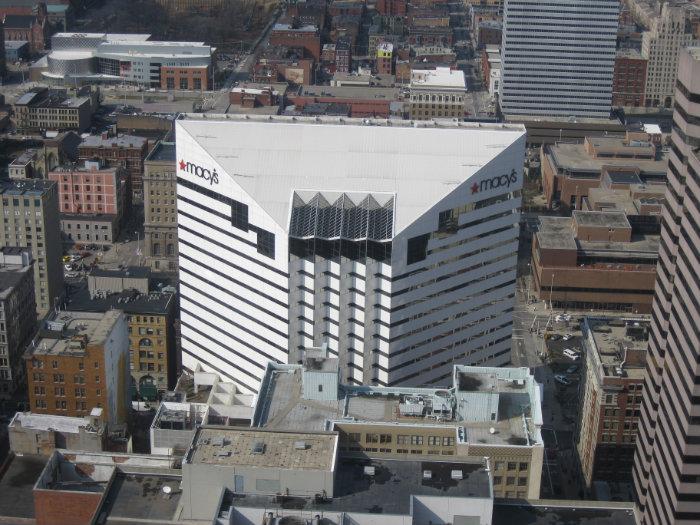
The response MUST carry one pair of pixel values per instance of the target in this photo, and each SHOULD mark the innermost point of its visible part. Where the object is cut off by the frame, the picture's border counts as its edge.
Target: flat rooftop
(130, 301)
(94, 326)
(63, 424)
(389, 490)
(440, 77)
(601, 219)
(556, 233)
(121, 141)
(136, 497)
(612, 337)
(350, 92)
(270, 157)
(29, 187)
(10, 276)
(264, 449)
(283, 407)
(162, 152)
(574, 158)
(17, 484)
(556, 512)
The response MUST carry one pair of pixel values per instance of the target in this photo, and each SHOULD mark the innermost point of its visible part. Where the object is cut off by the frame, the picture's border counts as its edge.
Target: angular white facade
(558, 57)
(393, 244)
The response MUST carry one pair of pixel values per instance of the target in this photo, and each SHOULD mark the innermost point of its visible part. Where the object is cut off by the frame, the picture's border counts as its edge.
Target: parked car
(571, 354)
(68, 267)
(567, 337)
(561, 379)
(572, 369)
(554, 337)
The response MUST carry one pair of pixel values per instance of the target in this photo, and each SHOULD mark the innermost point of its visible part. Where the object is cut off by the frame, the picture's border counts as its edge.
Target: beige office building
(160, 208)
(437, 93)
(31, 219)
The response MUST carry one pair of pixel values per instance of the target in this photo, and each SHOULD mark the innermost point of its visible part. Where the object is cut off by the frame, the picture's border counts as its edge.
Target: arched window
(145, 342)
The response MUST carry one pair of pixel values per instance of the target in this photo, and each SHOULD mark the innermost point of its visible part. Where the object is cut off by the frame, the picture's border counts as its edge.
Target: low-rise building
(595, 260)
(22, 167)
(570, 170)
(150, 315)
(42, 109)
(17, 316)
(127, 152)
(284, 64)
(91, 203)
(250, 95)
(614, 362)
(16, 50)
(385, 58)
(438, 93)
(79, 361)
(297, 35)
(363, 102)
(233, 471)
(200, 399)
(487, 412)
(41, 434)
(32, 28)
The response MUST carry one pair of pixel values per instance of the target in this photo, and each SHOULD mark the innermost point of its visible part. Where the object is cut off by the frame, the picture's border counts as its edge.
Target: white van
(568, 352)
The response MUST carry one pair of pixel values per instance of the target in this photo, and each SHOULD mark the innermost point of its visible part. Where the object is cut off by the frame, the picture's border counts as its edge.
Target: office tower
(558, 57)
(80, 361)
(666, 470)
(30, 212)
(393, 243)
(160, 209)
(17, 315)
(669, 33)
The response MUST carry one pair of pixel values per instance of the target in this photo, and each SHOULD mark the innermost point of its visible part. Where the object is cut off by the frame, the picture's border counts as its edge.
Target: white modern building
(133, 58)
(558, 57)
(668, 34)
(393, 243)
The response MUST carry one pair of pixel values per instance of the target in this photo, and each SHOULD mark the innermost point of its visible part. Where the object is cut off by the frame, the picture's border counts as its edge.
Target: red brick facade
(59, 507)
(391, 7)
(629, 80)
(184, 78)
(309, 41)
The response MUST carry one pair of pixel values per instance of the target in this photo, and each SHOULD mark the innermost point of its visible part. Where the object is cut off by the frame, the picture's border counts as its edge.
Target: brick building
(150, 315)
(595, 260)
(614, 358)
(42, 109)
(346, 7)
(283, 64)
(569, 170)
(343, 55)
(89, 190)
(629, 79)
(79, 361)
(250, 95)
(33, 28)
(194, 78)
(121, 151)
(385, 58)
(391, 7)
(295, 35)
(363, 102)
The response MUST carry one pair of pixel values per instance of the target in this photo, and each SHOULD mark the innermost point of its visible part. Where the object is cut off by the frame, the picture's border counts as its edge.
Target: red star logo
(475, 188)
(183, 165)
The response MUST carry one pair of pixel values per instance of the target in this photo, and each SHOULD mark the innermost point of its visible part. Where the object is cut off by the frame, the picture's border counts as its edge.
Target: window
(497, 480)
(434, 440)
(197, 83)
(512, 465)
(510, 480)
(522, 481)
(523, 466)
(183, 83)
(170, 83)
(402, 440)
(417, 248)
(266, 243)
(448, 441)
(354, 436)
(416, 440)
(320, 388)
(371, 438)
(239, 215)
(54, 364)
(385, 438)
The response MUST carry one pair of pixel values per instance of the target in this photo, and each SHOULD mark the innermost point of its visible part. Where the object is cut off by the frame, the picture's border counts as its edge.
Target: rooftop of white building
(416, 163)
(497, 406)
(441, 77)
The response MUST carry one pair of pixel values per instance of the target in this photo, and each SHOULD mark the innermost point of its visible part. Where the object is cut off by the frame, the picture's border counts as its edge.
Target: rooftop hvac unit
(456, 474)
(427, 474)
(369, 471)
(300, 445)
(258, 447)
